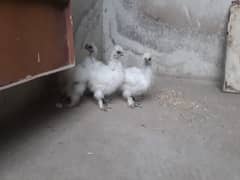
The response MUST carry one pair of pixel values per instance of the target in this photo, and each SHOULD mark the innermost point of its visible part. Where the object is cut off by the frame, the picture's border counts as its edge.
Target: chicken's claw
(106, 108)
(136, 105)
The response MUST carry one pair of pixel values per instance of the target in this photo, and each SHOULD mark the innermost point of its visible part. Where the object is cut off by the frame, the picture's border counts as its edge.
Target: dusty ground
(186, 130)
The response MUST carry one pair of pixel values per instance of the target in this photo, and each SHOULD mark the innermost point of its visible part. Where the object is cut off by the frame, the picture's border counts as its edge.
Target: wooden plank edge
(30, 78)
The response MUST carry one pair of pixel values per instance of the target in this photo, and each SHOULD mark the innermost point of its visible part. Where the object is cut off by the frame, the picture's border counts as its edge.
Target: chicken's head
(147, 57)
(91, 48)
(118, 52)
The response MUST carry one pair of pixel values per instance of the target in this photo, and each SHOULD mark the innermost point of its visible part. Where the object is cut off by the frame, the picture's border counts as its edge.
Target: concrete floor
(186, 130)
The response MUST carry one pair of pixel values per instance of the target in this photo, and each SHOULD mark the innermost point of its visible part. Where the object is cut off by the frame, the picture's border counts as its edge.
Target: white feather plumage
(78, 77)
(107, 79)
(137, 81)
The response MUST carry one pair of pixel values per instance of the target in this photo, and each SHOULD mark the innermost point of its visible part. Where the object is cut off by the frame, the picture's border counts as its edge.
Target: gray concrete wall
(187, 37)
(88, 25)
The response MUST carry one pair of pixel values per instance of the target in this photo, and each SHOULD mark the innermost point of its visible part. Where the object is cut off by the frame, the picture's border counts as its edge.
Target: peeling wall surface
(88, 25)
(187, 37)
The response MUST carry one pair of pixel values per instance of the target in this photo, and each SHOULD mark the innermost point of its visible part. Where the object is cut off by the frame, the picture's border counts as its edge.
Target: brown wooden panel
(56, 3)
(35, 38)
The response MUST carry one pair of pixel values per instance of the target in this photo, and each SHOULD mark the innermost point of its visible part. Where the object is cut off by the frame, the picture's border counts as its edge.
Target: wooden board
(232, 69)
(36, 40)
(56, 3)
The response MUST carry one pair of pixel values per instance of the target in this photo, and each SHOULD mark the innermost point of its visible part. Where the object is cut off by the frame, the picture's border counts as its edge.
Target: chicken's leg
(100, 104)
(100, 98)
(132, 103)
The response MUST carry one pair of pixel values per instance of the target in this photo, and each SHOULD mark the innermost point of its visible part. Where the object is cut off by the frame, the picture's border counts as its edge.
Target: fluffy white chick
(107, 79)
(78, 77)
(137, 81)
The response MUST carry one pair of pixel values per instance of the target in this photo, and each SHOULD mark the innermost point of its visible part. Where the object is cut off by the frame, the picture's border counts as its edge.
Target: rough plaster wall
(187, 37)
(87, 17)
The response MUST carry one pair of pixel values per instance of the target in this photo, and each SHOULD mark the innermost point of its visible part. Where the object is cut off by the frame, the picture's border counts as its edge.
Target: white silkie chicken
(107, 79)
(137, 81)
(78, 77)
